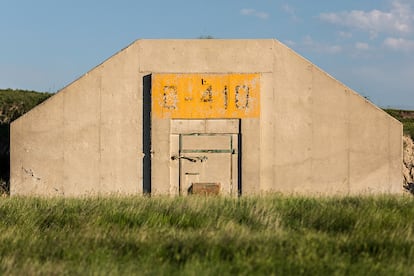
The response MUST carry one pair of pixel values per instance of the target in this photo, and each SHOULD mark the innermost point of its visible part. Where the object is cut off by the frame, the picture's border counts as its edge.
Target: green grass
(208, 236)
(14, 103)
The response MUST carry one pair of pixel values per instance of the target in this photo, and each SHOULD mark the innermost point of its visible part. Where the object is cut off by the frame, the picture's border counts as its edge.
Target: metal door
(208, 164)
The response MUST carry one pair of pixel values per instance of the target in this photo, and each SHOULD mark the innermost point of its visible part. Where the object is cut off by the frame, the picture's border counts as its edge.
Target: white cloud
(253, 12)
(309, 43)
(398, 19)
(345, 34)
(290, 11)
(362, 46)
(399, 44)
(247, 11)
(290, 43)
(333, 49)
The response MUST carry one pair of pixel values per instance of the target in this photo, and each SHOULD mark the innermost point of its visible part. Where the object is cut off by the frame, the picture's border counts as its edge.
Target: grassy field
(268, 235)
(208, 236)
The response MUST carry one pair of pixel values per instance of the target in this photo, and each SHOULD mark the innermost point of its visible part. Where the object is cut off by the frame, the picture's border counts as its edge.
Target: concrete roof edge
(100, 64)
(136, 41)
(203, 39)
(333, 78)
(75, 80)
(275, 41)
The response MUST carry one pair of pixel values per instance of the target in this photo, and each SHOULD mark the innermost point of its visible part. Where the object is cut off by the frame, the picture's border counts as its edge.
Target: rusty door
(208, 164)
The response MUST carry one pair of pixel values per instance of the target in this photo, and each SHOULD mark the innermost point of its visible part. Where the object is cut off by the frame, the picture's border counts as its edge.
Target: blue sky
(366, 44)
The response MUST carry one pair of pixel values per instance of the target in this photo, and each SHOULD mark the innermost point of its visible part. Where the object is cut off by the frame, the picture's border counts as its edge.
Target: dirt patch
(405, 114)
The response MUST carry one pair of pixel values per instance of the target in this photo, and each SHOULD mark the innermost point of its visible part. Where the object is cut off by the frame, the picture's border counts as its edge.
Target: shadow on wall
(4, 158)
(146, 137)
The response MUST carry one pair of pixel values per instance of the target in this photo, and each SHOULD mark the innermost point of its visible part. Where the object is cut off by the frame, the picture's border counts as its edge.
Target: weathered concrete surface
(36, 150)
(313, 135)
(84, 139)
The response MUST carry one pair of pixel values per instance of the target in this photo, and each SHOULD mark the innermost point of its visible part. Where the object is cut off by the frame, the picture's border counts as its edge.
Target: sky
(366, 44)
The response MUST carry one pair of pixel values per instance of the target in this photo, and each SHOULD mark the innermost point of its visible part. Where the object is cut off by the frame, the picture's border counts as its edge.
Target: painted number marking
(170, 97)
(206, 95)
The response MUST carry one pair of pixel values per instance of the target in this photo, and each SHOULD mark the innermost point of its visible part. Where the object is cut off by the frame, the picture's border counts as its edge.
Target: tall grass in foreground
(197, 235)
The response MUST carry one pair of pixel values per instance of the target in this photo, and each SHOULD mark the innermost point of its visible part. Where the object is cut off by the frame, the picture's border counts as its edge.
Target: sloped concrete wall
(320, 137)
(84, 139)
(375, 149)
(314, 135)
(36, 150)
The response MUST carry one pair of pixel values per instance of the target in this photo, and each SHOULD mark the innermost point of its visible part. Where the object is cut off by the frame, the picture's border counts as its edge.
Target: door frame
(205, 127)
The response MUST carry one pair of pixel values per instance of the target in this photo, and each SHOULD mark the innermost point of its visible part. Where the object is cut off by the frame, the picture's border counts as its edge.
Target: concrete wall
(84, 139)
(314, 135)
(327, 138)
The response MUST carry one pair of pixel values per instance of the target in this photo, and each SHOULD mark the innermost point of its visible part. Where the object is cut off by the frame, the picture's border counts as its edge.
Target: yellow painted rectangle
(197, 96)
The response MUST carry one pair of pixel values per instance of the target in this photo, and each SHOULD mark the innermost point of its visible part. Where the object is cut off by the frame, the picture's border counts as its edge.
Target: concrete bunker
(225, 117)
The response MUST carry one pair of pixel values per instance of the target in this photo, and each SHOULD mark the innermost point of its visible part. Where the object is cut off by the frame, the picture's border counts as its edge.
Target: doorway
(205, 157)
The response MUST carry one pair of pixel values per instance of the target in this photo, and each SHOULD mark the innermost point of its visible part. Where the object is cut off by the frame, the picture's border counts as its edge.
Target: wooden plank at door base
(202, 188)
